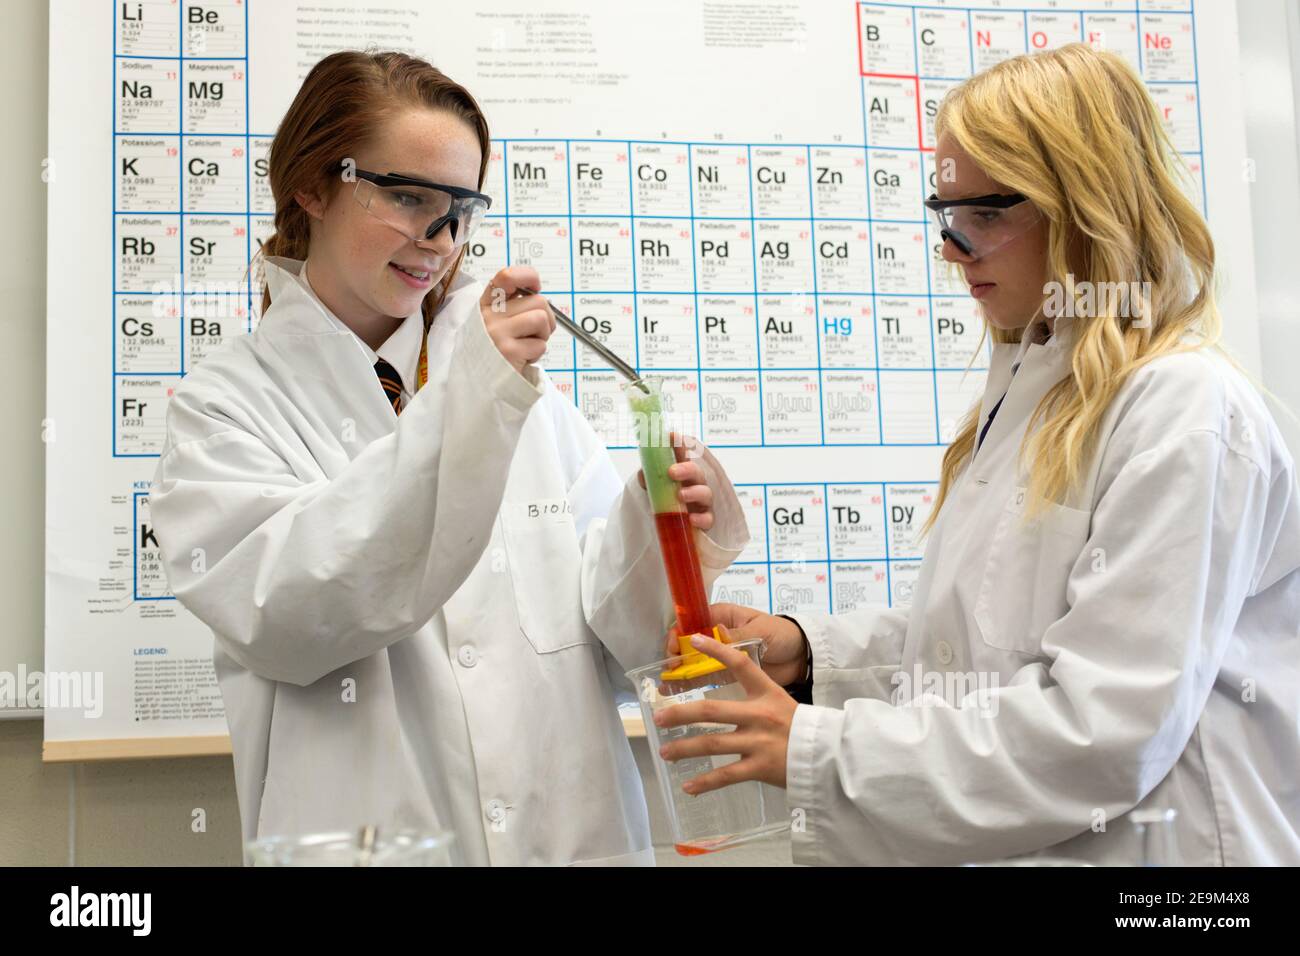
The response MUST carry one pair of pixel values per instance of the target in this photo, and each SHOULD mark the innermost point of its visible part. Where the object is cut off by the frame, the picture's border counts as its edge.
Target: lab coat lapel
(1004, 355)
(1041, 367)
(326, 370)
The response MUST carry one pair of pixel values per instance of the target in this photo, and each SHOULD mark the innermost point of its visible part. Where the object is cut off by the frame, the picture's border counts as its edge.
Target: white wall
(22, 329)
(1270, 68)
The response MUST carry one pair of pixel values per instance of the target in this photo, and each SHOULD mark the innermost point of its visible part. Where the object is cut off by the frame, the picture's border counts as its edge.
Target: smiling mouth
(421, 274)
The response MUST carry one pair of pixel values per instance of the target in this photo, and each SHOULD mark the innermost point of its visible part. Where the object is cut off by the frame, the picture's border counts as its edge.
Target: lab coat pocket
(1023, 582)
(546, 573)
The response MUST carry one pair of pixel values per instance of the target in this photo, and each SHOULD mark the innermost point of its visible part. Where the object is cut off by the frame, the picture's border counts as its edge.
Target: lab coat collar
(322, 366)
(401, 349)
(1003, 358)
(282, 281)
(326, 367)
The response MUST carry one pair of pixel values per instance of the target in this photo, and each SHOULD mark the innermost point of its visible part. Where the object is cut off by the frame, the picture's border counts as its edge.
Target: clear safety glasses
(981, 224)
(419, 209)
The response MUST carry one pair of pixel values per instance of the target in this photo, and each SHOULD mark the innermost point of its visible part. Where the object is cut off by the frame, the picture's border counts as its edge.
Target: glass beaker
(367, 847)
(1156, 839)
(721, 818)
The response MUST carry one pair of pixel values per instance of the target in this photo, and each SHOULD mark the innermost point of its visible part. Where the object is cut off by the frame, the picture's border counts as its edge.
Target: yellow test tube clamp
(695, 663)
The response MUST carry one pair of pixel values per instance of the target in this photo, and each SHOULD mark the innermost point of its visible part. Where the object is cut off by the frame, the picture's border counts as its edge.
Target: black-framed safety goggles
(420, 209)
(979, 225)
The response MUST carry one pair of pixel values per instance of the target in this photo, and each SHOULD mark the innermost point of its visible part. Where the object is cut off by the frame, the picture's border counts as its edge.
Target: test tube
(672, 520)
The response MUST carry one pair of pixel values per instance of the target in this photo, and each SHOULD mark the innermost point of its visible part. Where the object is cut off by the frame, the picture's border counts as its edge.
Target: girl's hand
(785, 652)
(762, 721)
(518, 320)
(694, 491)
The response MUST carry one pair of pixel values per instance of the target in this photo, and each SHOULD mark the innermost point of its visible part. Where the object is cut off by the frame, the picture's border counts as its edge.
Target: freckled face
(359, 254)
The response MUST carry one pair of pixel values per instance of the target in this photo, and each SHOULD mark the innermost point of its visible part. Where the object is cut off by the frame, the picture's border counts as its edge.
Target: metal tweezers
(599, 347)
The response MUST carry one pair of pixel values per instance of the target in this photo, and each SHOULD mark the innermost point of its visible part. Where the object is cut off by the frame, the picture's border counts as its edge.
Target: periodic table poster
(727, 192)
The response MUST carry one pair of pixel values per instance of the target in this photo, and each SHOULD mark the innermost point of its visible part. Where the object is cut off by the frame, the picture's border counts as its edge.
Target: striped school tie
(391, 383)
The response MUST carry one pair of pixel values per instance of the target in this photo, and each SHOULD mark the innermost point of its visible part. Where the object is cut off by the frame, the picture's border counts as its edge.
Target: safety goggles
(981, 224)
(419, 209)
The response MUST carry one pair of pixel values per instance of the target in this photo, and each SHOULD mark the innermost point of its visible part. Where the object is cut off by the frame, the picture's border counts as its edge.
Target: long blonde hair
(1075, 131)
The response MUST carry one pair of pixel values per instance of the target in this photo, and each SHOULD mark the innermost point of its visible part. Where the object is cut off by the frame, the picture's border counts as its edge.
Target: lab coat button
(495, 811)
(467, 656)
(944, 650)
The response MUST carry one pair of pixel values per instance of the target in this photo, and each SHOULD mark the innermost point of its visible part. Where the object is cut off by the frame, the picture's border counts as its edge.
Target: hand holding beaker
(762, 721)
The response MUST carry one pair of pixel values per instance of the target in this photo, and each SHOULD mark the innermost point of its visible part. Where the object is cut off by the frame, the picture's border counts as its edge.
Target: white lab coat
(1144, 637)
(418, 619)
